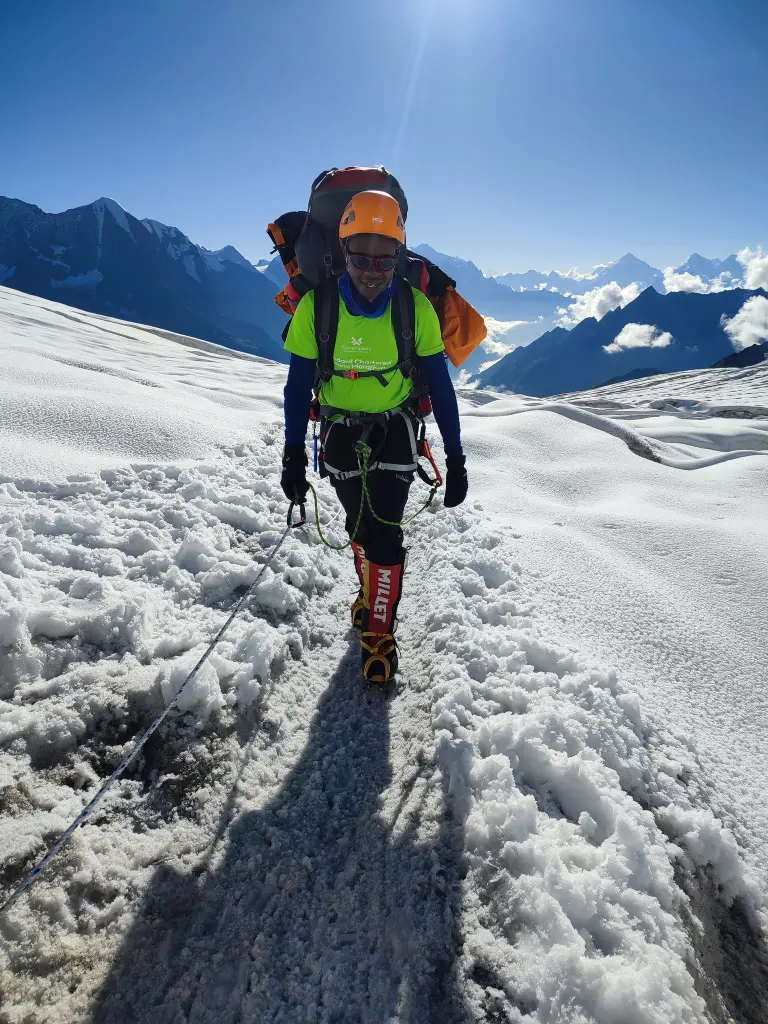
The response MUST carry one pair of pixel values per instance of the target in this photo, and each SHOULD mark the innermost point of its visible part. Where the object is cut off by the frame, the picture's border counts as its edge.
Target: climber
(346, 341)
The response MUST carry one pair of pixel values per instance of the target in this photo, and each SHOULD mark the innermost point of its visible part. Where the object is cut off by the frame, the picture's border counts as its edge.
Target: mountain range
(625, 271)
(750, 356)
(709, 270)
(102, 259)
(682, 330)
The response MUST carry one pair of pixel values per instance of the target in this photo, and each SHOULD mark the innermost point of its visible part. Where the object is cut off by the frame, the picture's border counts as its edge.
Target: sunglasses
(383, 264)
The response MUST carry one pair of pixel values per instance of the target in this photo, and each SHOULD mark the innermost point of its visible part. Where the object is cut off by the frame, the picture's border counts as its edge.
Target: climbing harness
(363, 451)
(88, 810)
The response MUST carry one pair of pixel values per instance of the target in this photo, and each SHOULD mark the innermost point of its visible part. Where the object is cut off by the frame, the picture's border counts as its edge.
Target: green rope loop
(363, 451)
(321, 535)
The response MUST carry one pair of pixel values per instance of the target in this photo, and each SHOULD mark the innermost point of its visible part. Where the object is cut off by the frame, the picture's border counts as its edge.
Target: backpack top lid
(317, 248)
(333, 189)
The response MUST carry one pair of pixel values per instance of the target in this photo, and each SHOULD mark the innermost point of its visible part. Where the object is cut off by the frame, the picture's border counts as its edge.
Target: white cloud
(638, 336)
(755, 268)
(598, 302)
(683, 282)
(498, 348)
(723, 282)
(686, 282)
(750, 325)
(498, 342)
(574, 274)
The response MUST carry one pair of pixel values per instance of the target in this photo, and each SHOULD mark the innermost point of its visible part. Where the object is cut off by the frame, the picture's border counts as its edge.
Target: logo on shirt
(357, 341)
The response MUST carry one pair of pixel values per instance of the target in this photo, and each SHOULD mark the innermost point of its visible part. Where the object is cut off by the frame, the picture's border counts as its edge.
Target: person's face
(371, 282)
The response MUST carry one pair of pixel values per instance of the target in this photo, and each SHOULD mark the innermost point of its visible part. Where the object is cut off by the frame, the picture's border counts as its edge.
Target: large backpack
(310, 251)
(308, 242)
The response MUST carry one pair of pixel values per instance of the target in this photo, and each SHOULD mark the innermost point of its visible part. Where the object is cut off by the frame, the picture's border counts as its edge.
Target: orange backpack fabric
(463, 328)
(288, 299)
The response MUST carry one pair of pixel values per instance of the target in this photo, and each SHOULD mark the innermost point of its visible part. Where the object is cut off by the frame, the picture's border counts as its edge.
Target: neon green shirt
(364, 343)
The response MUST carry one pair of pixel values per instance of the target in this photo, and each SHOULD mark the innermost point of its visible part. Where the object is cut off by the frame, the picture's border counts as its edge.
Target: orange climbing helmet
(372, 213)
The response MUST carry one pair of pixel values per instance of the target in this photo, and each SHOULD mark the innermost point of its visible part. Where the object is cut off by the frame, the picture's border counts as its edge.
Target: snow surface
(82, 391)
(557, 818)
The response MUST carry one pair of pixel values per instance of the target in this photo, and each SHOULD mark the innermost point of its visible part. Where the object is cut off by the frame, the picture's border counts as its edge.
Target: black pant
(383, 544)
(393, 444)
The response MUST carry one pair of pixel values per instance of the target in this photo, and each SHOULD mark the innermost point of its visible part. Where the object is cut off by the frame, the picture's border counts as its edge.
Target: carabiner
(425, 452)
(301, 521)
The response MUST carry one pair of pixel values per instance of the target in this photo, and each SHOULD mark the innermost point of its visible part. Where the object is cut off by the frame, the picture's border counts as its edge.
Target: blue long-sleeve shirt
(297, 396)
(444, 404)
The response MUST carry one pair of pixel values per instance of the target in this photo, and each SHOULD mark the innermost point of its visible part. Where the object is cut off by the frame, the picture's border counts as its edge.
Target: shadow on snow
(320, 912)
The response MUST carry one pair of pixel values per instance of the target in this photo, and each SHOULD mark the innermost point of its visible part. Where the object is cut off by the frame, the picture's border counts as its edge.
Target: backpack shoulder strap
(404, 325)
(326, 324)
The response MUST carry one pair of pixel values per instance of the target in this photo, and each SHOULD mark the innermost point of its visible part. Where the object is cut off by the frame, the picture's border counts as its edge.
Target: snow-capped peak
(164, 230)
(105, 204)
(231, 255)
(216, 258)
(178, 245)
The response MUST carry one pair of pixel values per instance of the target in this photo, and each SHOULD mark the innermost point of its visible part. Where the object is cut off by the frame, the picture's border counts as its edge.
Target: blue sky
(527, 133)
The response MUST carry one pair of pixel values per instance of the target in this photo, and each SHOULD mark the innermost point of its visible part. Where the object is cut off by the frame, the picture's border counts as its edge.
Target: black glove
(456, 482)
(294, 477)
